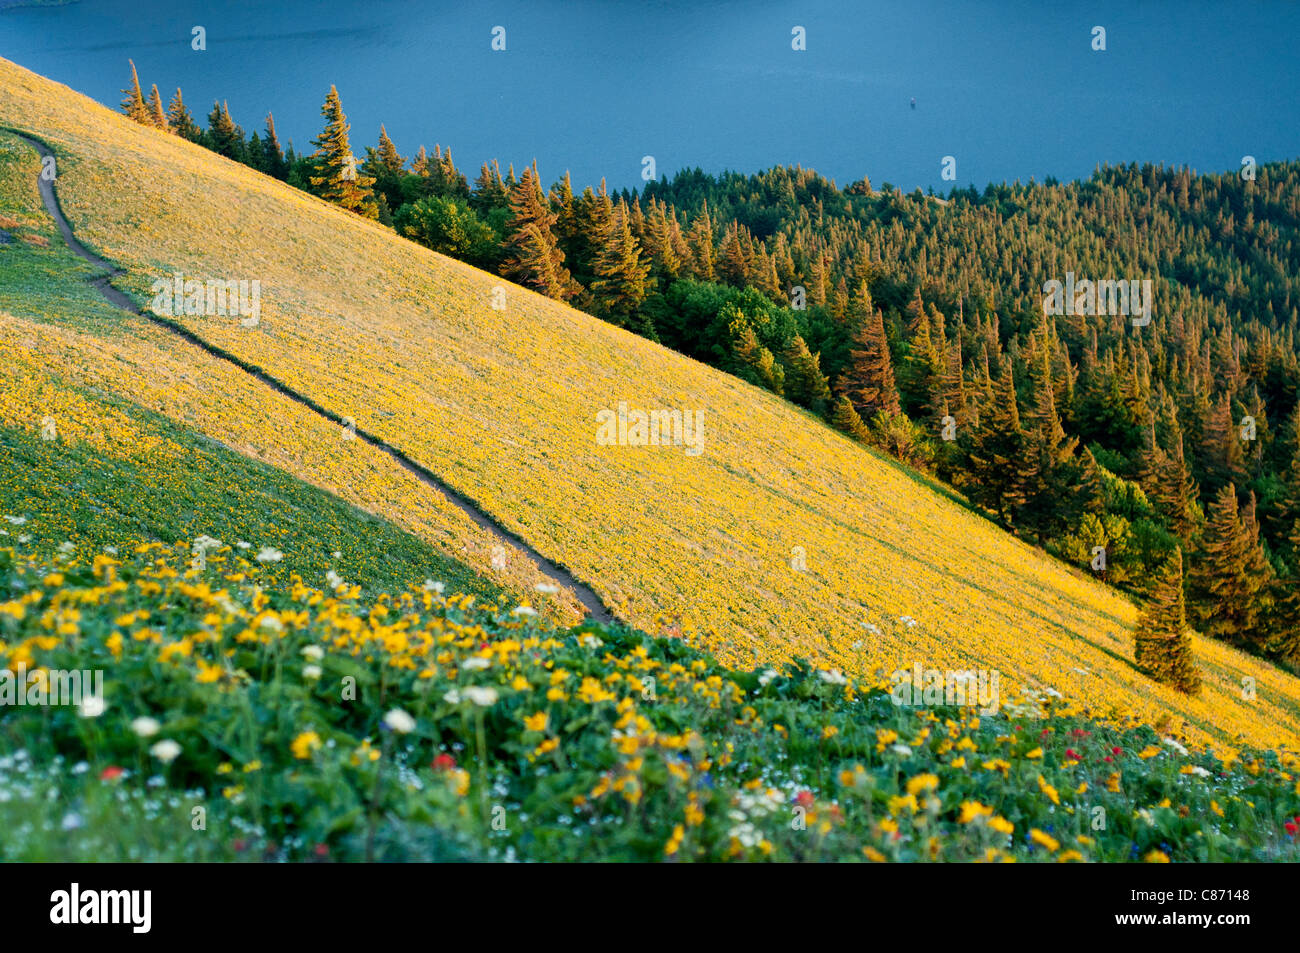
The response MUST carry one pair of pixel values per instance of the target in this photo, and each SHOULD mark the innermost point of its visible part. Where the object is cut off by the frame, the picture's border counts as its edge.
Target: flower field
(250, 719)
(503, 406)
(110, 383)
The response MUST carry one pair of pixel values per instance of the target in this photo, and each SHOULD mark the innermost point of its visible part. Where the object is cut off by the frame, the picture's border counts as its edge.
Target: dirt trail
(596, 609)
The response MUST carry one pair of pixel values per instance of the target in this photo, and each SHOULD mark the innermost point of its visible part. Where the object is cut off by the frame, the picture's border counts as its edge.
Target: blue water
(1010, 90)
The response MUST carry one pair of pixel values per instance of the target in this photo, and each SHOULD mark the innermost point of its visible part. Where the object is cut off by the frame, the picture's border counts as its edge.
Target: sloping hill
(502, 405)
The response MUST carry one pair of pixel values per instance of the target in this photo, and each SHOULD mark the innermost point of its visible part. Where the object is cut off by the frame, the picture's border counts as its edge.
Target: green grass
(590, 743)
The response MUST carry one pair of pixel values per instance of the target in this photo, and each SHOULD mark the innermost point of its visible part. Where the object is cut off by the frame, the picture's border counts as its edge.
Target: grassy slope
(503, 405)
(120, 473)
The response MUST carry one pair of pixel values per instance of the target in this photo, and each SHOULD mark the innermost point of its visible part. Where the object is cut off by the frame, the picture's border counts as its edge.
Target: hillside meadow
(503, 404)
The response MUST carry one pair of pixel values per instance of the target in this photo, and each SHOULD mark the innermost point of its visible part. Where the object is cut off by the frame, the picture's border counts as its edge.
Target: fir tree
(533, 257)
(337, 179)
(997, 467)
(869, 379)
(621, 283)
(1162, 642)
(157, 115)
(133, 105)
(274, 162)
(805, 384)
(223, 136)
(1227, 579)
(179, 119)
(847, 420)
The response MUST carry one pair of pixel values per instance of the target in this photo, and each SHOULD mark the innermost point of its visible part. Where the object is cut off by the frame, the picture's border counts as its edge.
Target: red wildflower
(111, 773)
(805, 798)
(444, 762)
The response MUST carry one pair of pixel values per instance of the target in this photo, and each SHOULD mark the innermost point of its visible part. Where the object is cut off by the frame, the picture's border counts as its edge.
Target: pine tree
(998, 467)
(133, 105)
(920, 367)
(805, 384)
(1227, 577)
(223, 136)
(868, 381)
(700, 240)
(847, 420)
(757, 364)
(621, 283)
(1222, 459)
(274, 161)
(1162, 643)
(533, 257)
(180, 120)
(337, 179)
(157, 115)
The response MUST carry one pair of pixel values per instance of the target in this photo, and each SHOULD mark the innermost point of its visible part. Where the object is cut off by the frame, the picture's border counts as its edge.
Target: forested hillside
(920, 325)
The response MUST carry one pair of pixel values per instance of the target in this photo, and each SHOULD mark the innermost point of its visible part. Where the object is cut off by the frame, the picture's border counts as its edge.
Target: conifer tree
(700, 240)
(337, 179)
(997, 465)
(1227, 577)
(179, 119)
(420, 164)
(157, 115)
(489, 190)
(805, 384)
(758, 361)
(622, 271)
(1222, 459)
(847, 420)
(868, 381)
(223, 136)
(533, 257)
(1162, 642)
(133, 105)
(274, 162)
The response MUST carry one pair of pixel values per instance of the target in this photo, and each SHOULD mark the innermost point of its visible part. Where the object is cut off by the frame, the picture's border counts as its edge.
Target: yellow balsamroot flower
(1069, 856)
(830, 731)
(998, 764)
(1112, 783)
(1218, 811)
(922, 783)
(1036, 753)
(959, 762)
(304, 745)
(1048, 791)
(207, 673)
(973, 809)
(252, 766)
(556, 695)
(536, 722)
(546, 747)
(1150, 751)
(1046, 840)
(1081, 788)
(1156, 857)
(675, 841)
(520, 684)
(593, 692)
(903, 801)
(1001, 825)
